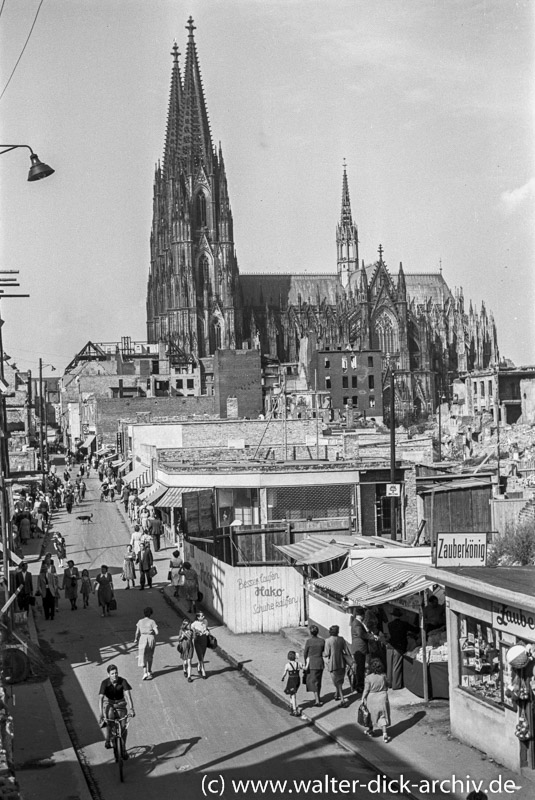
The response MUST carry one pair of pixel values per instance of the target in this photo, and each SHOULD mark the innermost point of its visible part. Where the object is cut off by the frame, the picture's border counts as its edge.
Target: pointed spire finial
(380, 251)
(175, 52)
(190, 27)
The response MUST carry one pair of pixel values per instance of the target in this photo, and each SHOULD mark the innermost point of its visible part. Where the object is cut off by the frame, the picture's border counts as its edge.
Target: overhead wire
(24, 48)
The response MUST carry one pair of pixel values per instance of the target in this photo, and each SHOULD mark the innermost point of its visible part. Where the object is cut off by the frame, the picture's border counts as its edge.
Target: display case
(479, 660)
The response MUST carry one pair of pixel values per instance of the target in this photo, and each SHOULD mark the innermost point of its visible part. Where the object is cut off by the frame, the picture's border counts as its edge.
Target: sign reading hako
(461, 549)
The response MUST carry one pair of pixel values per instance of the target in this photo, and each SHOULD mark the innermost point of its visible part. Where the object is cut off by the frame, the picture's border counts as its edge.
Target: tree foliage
(515, 546)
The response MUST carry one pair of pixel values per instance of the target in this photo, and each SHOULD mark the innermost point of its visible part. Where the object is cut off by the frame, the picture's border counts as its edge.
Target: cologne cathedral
(198, 301)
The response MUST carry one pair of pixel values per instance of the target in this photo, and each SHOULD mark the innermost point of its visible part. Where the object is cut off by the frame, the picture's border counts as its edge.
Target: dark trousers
(394, 667)
(144, 575)
(360, 670)
(156, 541)
(49, 604)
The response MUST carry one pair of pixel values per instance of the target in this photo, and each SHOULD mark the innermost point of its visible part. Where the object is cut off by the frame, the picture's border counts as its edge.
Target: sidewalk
(421, 748)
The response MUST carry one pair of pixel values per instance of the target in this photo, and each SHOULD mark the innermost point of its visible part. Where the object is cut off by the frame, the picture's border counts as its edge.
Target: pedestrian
(59, 546)
(129, 568)
(146, 561)
(24, 580)
(146, 633)
(135, 540)
(125, 497)
(360, 636)
(338, 658)
(47, 588)
(71, 576)
(399, 630)
(191, 586)
(200, 631)
(155, 528)
(185, 647)
(375, 697)
(144, 516)
(25, 527)
(83, 489)
(69, 499)
(291, 672)
(175, 572)
(314, 664)
(104, 589)
(86, 587)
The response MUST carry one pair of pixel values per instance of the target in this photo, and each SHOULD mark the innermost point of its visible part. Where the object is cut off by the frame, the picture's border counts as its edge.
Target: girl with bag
(86, 588)
(104, 590)
(200, 641)
(376, 694)
(291, 670)
(185, 648)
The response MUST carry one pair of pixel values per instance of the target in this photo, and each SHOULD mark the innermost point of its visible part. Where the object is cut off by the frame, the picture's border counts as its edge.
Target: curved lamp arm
(38, 169)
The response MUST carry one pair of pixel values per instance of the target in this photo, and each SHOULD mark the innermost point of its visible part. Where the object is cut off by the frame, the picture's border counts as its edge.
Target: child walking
(291, 671)
(86, 587)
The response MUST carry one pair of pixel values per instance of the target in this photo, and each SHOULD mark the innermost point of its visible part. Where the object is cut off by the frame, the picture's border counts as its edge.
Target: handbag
(153, 571)
(112, 605)
(363, 716)
(169, 576)
(211, 642)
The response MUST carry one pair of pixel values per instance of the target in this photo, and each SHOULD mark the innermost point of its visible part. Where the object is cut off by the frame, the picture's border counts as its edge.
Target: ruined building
(198, 302)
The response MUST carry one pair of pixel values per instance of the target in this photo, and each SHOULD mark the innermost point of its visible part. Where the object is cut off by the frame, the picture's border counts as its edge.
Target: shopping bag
(363, 716)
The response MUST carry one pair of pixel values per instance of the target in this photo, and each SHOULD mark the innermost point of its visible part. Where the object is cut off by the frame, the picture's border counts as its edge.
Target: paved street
(221, 729)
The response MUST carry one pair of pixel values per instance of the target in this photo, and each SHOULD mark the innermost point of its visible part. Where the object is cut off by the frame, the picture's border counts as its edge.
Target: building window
(201, 210)
(479, 657)
(345, 400)
(353, 362)
(327, 363)
(490, 388)
(371, 382)
(370, 361)
(345, 382)
(344, 364)
(371, 402)
(482, 388)
(179, 383)
(355, 400)
(190, 383)
(327, 381)
(353, 381)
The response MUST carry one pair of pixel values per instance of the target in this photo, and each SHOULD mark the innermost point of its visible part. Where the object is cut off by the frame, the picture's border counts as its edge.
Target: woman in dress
(146, 632)
(71, 576)
(104, 589)
(338, 658)
(191, 585)
(175, 566)
(313, 656)
(375, 696)
(185, 647)
(200, 641)
(129, 568)
(59, 546)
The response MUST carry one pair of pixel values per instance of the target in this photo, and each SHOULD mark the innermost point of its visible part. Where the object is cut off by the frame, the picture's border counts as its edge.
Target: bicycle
(118, 726)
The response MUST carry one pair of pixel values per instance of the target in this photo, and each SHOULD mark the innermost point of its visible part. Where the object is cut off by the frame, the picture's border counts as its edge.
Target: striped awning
(139, 474)
(152, 493)
(125, 465)
(374, 581)
(173, 497)
(88, 442)
(312, 551)
(117, 462)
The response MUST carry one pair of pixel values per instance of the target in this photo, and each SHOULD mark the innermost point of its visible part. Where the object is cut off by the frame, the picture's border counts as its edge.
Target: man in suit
(24, 579)
(48, 587)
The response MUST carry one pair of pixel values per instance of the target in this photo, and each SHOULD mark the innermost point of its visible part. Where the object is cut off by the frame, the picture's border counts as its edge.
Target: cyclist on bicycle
(115, 701)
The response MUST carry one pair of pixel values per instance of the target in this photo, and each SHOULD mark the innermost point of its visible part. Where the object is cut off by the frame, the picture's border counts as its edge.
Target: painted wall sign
(513, 620)
(461, 549)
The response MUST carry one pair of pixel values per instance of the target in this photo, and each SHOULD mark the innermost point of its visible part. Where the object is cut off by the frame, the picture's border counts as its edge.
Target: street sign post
(393, 490)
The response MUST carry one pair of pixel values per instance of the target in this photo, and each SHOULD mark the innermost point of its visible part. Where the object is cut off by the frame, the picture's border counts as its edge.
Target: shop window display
(480, 671)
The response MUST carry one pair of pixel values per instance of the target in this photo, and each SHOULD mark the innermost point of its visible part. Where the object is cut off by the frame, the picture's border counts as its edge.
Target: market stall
(400, 591)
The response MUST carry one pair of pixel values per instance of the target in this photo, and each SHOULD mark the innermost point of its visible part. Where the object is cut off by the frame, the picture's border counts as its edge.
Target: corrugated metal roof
(173, 497)
(312, 551)
(140, 472)
(374, 581)
(152, 493)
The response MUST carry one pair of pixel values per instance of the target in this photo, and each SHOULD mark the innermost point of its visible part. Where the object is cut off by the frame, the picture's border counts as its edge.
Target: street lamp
(38, 169)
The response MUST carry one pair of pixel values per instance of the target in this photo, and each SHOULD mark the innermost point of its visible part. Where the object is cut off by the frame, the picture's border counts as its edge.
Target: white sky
(430, 102)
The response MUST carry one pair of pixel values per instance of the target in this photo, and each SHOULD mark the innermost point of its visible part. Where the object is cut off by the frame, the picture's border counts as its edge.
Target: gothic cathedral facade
(197, 301)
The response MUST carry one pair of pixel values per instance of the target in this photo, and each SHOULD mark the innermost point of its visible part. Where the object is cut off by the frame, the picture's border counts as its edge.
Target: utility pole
(393, 498)
(41, 448)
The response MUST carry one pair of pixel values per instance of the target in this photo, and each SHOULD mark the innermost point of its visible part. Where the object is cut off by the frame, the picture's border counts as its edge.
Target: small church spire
(347, 240)
(173, 115)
